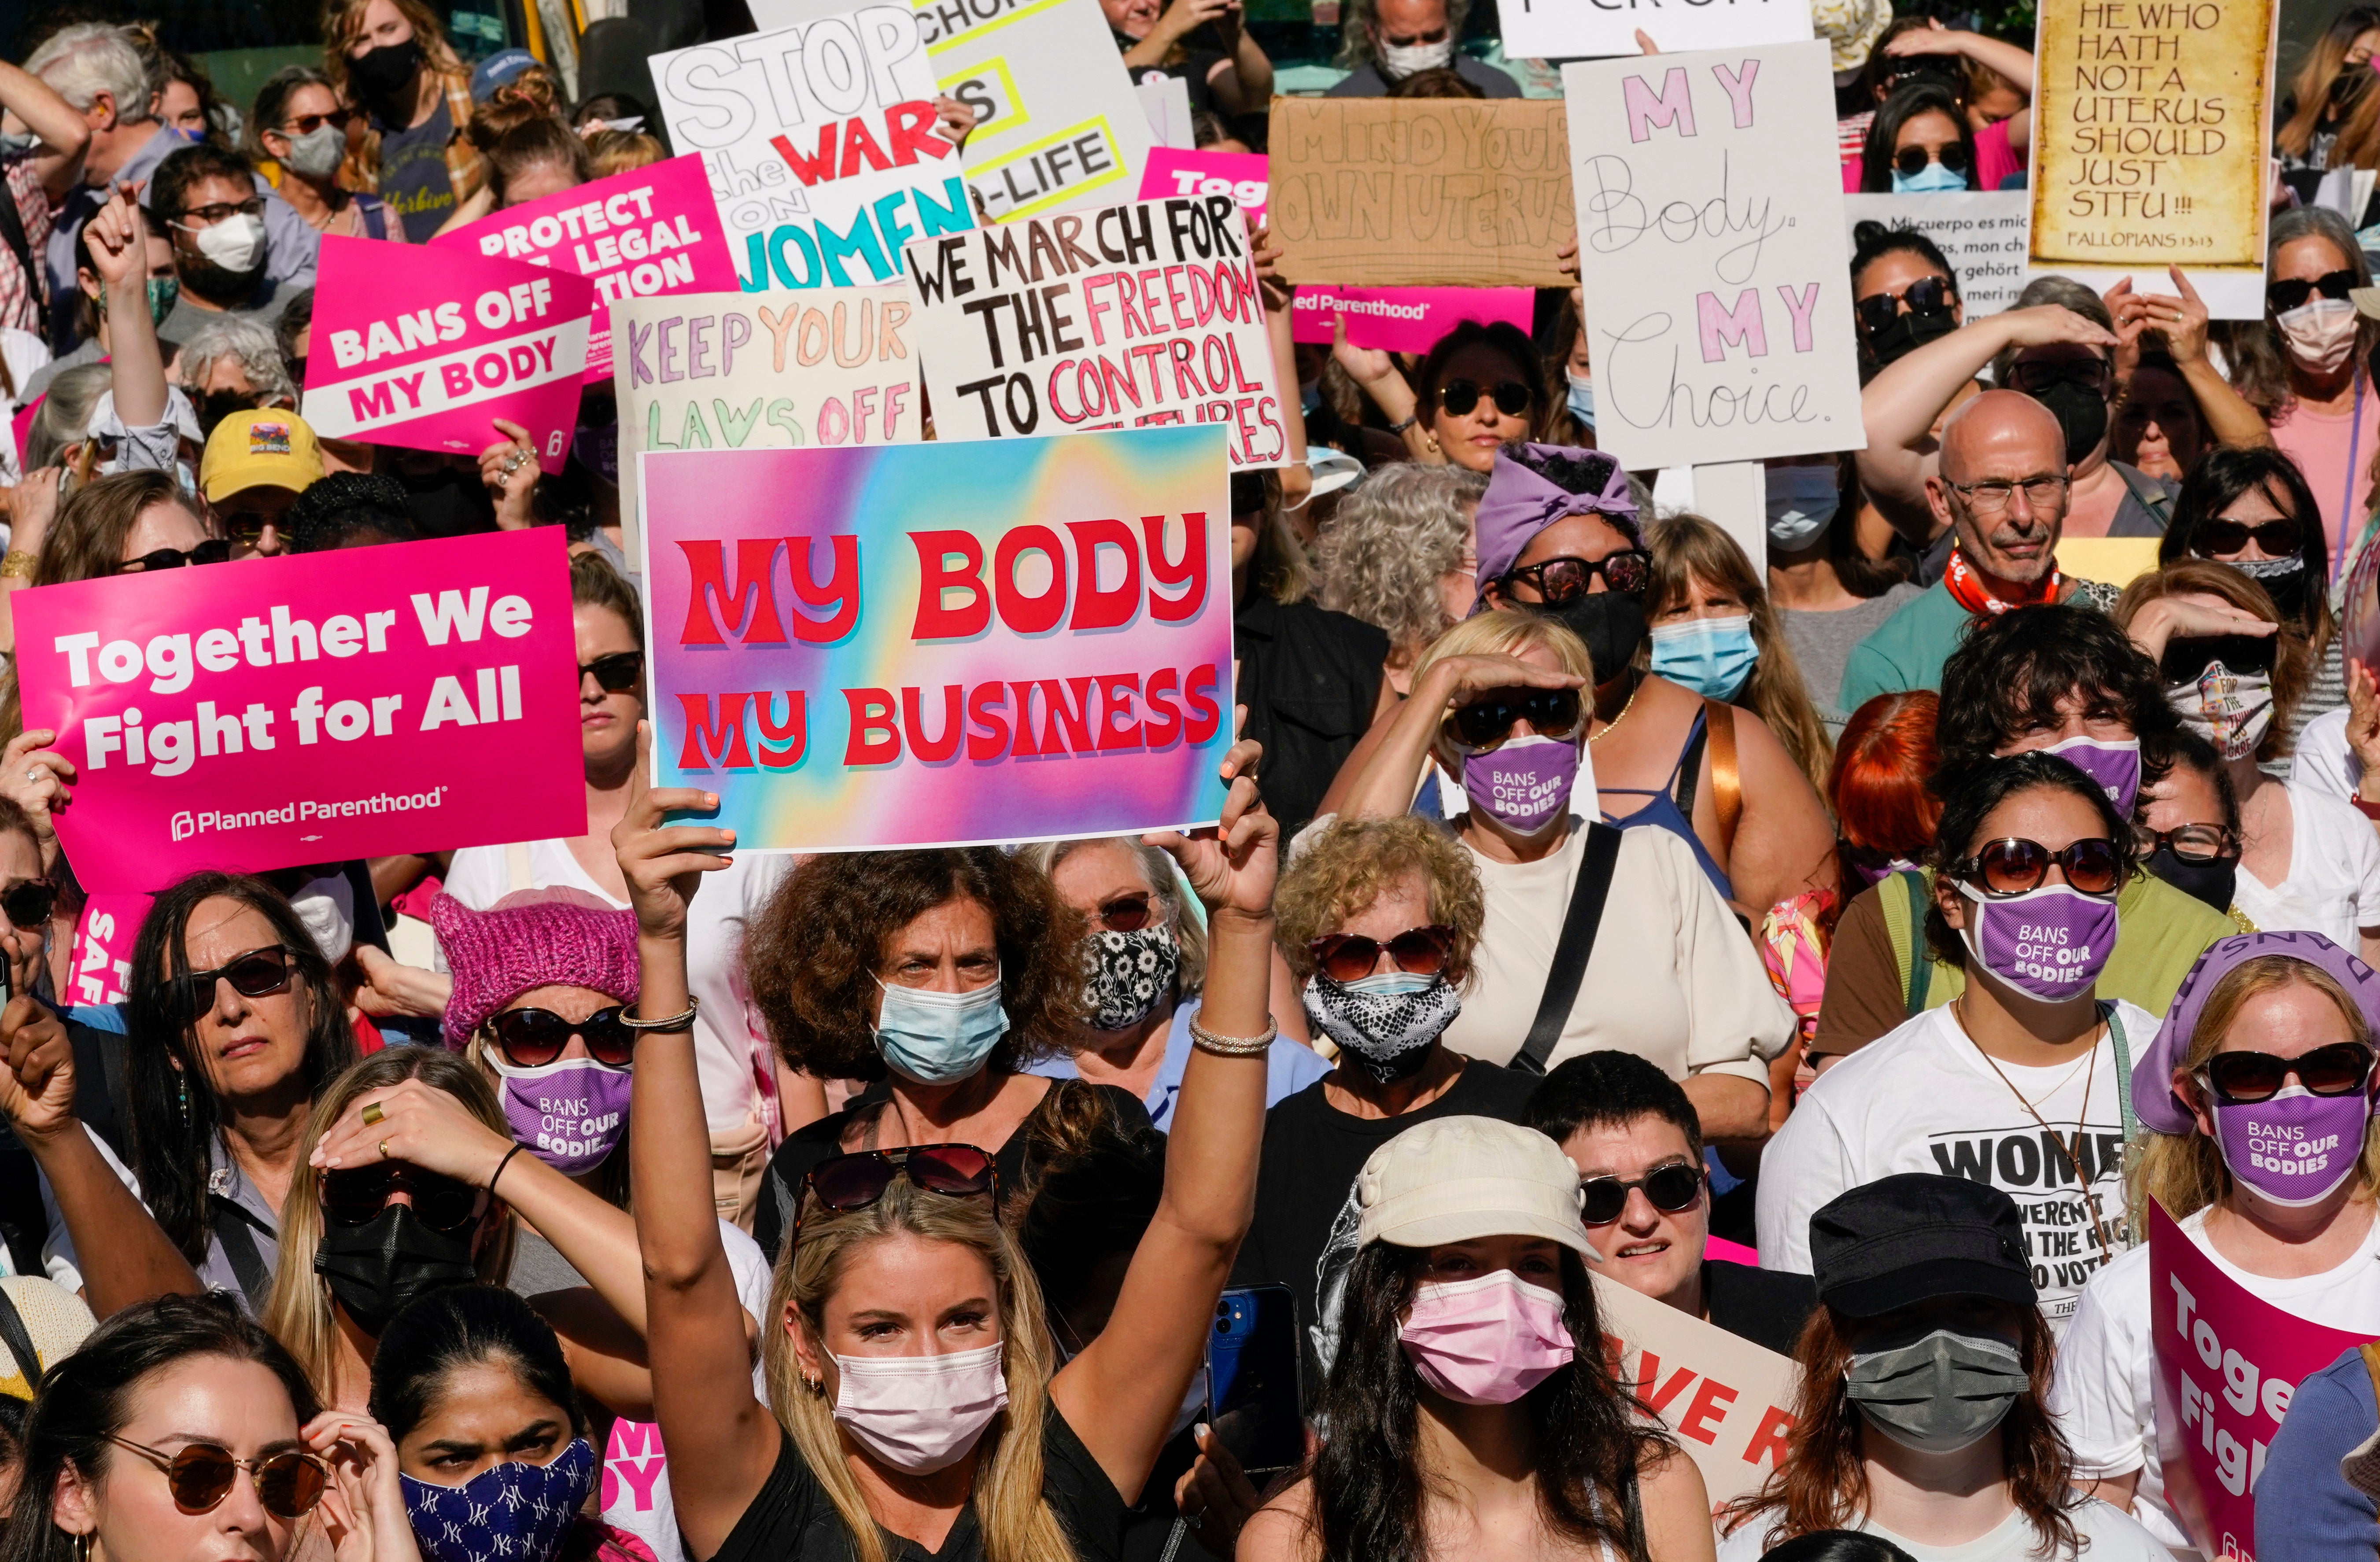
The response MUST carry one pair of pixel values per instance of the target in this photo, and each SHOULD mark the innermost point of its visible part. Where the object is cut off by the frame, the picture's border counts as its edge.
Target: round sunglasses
(2015, 866)
(2191, 842)
(1565, 579)
(1668, 1188)
(2244, 1078)
(357, 1196)
(289, 1483)
(1349, 957)
(1488, 719)
(254, 974)
(617, 673)
(531, 1039)
(1912, 160)
(2280, 537)
(1459, 396)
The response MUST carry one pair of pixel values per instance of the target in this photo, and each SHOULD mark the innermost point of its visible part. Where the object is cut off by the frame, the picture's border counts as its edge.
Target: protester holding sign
(1481, 388)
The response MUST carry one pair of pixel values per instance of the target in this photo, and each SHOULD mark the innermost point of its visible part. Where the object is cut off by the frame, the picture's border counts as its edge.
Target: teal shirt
(1907, 650)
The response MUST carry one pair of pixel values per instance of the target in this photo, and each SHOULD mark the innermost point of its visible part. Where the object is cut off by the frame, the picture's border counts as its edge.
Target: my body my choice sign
(311, 709)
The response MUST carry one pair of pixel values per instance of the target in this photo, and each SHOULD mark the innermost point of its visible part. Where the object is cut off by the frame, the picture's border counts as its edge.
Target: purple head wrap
(1521, 503)
(2153, 1096)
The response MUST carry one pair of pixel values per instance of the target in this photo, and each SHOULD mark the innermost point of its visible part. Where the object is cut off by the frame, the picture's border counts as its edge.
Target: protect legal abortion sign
(310, 709)
(425, 347)
(942, 644)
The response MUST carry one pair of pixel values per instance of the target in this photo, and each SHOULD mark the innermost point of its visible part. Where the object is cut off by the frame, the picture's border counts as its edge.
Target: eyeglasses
(1669, 1188)
(28, 905)
(1349, 957)
(1560, 580)
(2015, 866)
(2243, 1079)
(254, 974)
(356, 1198)
(213, 551)
(2280, 537)
(1912, 160)
(1488, 719)
(2033, 376)
(307, 124)
(856, 1181)
(1926, 295)
(222, 210)
(1991, 496)
(531, 1039)
(2293, 294)
(1459, 396)
(2191, 842)
(616, 674)
(2184, 659)
(1125, 914)
(288, 1483)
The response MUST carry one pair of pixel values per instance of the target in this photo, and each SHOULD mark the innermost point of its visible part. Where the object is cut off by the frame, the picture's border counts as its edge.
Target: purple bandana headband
(1521, 503)
(2153, 1096)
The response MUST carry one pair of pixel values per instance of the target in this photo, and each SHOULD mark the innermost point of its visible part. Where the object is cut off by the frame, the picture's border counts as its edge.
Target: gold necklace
(1625, 709)
(2072, 1152)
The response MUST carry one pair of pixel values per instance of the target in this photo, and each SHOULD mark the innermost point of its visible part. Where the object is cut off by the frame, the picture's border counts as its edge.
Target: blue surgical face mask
(1801, 503)
(1711, 655)
(1581, 400)
(939, 1038)
(1933, 179)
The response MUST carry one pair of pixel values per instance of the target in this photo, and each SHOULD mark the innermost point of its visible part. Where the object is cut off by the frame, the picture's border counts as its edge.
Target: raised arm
(64, 135)
(2008, 59)
(1383, 789)
(2181, 316)
(119, 251)
(1120, 1395)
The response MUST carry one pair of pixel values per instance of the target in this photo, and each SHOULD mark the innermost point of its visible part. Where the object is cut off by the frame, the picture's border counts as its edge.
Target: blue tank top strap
(1661, 809)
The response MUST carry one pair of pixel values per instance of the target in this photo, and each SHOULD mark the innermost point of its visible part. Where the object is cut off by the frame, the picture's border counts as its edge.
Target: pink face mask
(920, 1413)
(1486, 1341)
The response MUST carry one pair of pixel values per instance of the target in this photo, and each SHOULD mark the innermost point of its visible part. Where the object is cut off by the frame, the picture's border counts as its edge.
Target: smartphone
(1252, 1393)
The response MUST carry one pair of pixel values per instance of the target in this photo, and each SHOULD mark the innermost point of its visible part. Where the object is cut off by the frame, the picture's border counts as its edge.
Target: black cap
(1911, 1238)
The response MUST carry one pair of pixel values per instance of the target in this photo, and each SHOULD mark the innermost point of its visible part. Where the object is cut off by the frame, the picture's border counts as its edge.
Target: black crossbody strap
(19, 1341)
(1580, 924)
(233, 1230)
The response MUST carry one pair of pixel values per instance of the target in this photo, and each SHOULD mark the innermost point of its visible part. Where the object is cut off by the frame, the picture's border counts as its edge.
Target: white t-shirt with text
(2107, 1534)
(2334, 883)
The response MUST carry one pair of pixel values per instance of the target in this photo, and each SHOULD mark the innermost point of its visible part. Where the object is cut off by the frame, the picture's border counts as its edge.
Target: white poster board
(1981, 233)
(1166, 100)
(1573, 30)
(1057, 121)
(1730, 1402)
(1710, 228)
(820, 145)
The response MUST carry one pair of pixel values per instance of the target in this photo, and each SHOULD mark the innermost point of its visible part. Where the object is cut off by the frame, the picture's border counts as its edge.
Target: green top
(1907, 650)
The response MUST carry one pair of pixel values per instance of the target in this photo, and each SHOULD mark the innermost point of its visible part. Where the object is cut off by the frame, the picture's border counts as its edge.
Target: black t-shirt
(1303, 1235)
(793, 1520)
(1764, 1306)
(805, 1147)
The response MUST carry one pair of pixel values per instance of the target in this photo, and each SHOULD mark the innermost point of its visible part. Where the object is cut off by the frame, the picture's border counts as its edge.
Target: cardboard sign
(1729, 1402)
(310, 707)
(721, 371)
(1573, 30)
(2149, 125)
(1404, 319)
(2226, 1364)
(1710, 234)
(1121, 318)
(424, 347)
(1981, 233)
(1421, 192)
(820, 145)
(647, 231)
(1240, 174)
(1058, 122)
(942, 644)
(102, 953)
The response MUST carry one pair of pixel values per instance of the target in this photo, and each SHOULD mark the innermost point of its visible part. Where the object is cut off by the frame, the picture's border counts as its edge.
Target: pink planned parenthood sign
(636, 234)
(304, 710)
(1404, 319)
(426, 347)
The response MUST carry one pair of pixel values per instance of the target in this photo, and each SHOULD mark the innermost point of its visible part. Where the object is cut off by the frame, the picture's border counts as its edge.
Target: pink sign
(307, 709)
(103, 947)
(425, 346)
(1404, 319)
(2226, 1364)
(1240, 174)
(635, 235)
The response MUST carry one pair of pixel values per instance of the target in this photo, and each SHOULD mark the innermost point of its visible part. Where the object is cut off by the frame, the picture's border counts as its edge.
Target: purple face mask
(2114, 763)
(2049, 943)
(2296, 1148)
(570, 1115)
(1524, 784)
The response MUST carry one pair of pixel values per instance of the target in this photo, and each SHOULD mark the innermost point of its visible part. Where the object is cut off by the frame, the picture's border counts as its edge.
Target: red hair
(1877, 786)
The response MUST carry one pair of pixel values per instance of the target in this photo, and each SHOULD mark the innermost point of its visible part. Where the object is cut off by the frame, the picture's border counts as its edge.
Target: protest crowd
(1731, 911)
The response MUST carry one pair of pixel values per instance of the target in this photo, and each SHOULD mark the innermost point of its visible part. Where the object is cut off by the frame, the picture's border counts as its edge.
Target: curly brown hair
(813, 954)
(1343, 869)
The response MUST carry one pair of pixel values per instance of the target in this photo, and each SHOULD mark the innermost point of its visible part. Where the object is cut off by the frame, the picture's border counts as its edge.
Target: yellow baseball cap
(271, 448)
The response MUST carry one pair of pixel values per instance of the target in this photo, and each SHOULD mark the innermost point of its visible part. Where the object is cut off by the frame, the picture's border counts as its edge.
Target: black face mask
(2209, 881)
(1908, 333)
(2349, 84)
(1612, 622)
(2081, 413)
(449, 503)
(387, 70)
(375, 1269)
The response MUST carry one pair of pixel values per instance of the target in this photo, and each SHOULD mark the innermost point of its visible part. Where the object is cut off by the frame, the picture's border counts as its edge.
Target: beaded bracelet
(1206, 1040)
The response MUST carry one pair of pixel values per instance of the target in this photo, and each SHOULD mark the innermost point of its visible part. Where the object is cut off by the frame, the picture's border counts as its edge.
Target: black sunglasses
(356, 1198)
(2244, 1078)
(616, 674)
(254, 974)
(2280, 537)
(1669, 1188)
(2014, 865)
(1912, 161)
(213, 551)
(1350, 957)
(2184, 659)
(289, 1483)
(2293, 294)
(1561, 580)
(531, 1039)
(1487, 720)
(1927, 296)
(28, 905)
(1459, 396)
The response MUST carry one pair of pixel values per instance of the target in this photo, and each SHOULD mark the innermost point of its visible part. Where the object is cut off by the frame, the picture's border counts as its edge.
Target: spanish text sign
(311, 709)
(1981, 233)
(2148, 145)
(1728, 1402)
(1710, 247)
(2226, 1364)
(424, 347)
(1119, 318)
(943, 644)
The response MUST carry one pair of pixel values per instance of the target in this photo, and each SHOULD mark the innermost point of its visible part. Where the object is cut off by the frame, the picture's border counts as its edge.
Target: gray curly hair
(255, 347)
(1392, 537)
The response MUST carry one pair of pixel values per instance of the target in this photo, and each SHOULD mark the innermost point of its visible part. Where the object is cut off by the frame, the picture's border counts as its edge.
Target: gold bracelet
(674, 1022)
(17, 565)
(1206, 1040)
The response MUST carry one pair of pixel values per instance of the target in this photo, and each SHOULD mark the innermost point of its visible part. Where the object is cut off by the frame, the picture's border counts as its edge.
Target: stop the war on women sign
(311, 709)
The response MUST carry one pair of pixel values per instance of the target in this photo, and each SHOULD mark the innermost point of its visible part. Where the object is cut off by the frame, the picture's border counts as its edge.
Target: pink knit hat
(534, 939)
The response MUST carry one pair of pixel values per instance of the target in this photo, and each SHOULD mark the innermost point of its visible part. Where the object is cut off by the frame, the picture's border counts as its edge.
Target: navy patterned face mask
(508, 1513)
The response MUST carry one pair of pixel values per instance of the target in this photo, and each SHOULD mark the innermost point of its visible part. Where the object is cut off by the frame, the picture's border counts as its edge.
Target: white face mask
(920, 1413)
(234, 244)
(2320, 334)
(1400, 60)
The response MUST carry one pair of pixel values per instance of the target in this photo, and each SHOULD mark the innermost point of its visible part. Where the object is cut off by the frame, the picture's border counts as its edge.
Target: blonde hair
(1172, 899)
(1017, 1523)
(1343, 869)
(1509, 632)
(297, 1310)
(2185, 1171)
(619, 151)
